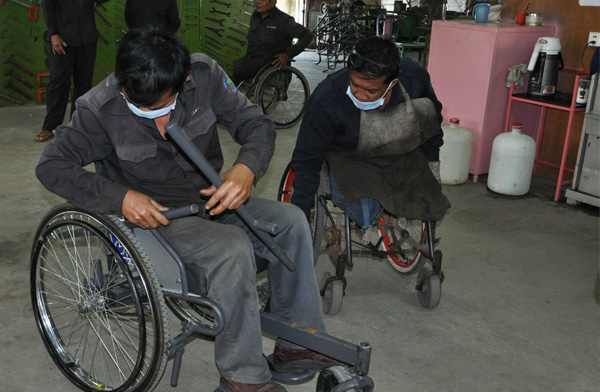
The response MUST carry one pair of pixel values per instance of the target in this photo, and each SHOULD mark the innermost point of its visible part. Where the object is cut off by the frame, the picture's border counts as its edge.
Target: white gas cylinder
(511, 165)
(455, 153)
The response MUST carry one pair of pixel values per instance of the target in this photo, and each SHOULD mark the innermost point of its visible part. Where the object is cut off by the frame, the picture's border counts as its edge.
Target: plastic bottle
(455, 154)
(511, 164)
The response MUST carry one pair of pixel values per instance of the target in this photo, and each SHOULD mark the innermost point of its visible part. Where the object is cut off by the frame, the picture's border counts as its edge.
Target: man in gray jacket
(121, 122)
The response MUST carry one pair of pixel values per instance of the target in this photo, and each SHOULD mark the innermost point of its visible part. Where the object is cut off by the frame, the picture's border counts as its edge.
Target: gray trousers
(225, 248)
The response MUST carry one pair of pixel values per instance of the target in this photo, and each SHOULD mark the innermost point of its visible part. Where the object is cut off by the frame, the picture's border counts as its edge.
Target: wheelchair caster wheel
(291, 377)
(334, 376)
(333, 295)
(429, 296)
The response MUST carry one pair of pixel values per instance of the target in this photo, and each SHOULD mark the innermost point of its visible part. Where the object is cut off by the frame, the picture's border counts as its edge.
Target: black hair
(151, 62)
(380, 51)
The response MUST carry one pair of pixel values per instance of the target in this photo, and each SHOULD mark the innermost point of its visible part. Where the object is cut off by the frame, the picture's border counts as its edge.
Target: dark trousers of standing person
(247, 67)
(77, 62)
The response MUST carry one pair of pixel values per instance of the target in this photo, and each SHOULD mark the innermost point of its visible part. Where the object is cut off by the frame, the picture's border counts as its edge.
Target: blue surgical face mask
(151, 114)
(368, 105)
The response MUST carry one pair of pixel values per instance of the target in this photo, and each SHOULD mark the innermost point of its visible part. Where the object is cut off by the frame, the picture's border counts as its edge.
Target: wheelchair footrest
(290, 378)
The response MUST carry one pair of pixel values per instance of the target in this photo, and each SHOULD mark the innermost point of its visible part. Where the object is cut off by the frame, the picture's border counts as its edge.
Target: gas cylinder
(455, 153)
(511, 165)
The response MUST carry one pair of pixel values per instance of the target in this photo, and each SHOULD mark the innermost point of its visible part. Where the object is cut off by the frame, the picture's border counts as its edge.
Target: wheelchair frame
(98, 287)
(282, 94)
(408, 245)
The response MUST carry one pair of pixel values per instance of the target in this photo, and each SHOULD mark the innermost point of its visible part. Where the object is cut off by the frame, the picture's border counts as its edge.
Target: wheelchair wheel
(407, 257)
(317, 215)
(333, 296)
(97, 302)
(331, 377)
(429, 296)
(283, 95)
(284, 193)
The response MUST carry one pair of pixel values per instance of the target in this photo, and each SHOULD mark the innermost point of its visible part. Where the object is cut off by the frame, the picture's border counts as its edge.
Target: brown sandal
(44, 136)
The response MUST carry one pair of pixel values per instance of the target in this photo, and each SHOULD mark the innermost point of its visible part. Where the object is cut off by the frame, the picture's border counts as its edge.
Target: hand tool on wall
(246, 13)
(11, 99)
(235, 21)
(215, 30)
(220, 22)
(33, 11)
(8, 84)
(213, 39)
(213, 10)
(102, 17)
(39, 92)
(250, 3)
(239, 41)
(9, 59)
(228, 5)
(244, 33)
(39, 76)
(9, 72)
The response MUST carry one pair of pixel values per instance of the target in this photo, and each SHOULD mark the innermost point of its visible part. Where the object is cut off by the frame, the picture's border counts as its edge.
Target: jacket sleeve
(431, 148)
(173, 17)
(50, 17)
(61, 167)
(304, 36)
(315, 138)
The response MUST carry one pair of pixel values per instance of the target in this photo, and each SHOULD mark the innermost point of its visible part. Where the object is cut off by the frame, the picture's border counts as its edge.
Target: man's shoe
(290, 361)
(232, 386)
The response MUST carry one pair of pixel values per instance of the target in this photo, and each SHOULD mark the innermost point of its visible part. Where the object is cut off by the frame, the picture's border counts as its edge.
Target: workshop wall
(216, 27)
(573, 23)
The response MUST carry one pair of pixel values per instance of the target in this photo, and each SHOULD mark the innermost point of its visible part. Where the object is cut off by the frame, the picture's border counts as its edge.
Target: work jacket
(332, 123)
(136, 156)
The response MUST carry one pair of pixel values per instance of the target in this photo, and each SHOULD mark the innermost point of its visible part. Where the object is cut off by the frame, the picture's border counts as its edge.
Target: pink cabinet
(469, 63)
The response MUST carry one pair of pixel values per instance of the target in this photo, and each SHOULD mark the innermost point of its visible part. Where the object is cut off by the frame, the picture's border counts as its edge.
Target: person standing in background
(74, 37)
(156, 12)
(270, 40)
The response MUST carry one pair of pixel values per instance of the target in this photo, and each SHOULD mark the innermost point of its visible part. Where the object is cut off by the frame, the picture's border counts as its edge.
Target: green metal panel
(24, 40)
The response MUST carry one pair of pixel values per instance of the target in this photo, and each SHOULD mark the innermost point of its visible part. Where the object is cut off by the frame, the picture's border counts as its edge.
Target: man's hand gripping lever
(260, 228)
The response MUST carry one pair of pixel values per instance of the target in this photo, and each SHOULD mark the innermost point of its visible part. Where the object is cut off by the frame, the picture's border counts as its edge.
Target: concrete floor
(519, 308)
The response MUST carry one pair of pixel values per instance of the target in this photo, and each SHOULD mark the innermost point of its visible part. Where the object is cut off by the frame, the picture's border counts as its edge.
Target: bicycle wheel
(97, 302)
(283, 95)
(403, 240)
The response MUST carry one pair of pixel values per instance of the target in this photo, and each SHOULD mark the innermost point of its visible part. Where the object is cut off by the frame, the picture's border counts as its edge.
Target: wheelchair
(100, 289)
(282, 94)
(408, 245)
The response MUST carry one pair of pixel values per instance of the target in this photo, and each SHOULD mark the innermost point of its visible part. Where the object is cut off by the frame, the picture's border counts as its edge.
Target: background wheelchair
(282, 94)
(408, 245)
(100, 288)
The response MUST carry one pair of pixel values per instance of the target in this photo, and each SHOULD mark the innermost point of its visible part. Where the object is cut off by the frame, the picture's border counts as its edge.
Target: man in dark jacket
(73, 34)
(270, 40)
(380, 151)
(121, 122)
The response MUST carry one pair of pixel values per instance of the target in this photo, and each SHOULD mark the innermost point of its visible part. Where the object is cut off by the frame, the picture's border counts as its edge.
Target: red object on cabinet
(468, 64)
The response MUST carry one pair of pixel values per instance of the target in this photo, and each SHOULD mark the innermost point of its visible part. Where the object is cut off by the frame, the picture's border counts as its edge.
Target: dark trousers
(77, 62)
(246, 67)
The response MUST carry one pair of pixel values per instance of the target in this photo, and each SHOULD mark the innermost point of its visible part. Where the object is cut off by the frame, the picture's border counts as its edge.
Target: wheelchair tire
(317, 215)
(97, 302)
(410, 260)
(284, 193)
(334, 295)
(282, 94)
(430, 295)
(332, 377)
